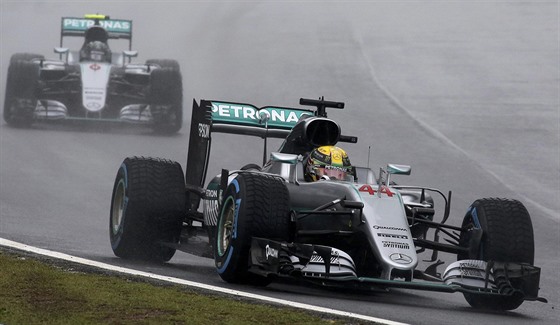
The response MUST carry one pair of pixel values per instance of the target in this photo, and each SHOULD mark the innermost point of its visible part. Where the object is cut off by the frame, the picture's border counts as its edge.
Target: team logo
(93, 105)
(95, 67)
(400, 258)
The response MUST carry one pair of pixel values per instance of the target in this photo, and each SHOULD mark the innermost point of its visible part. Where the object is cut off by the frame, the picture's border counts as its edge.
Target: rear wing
(116, 28)
(234, 118)
(237, 118)
(264, 122)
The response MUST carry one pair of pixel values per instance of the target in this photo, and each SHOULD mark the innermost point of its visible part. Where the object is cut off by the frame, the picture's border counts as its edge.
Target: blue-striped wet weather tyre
(507, 236)
(254, 204)
(148, 206)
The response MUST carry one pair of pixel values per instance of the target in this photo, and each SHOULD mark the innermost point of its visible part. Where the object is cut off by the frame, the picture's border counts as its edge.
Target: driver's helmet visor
(97, 55)
(339, 173)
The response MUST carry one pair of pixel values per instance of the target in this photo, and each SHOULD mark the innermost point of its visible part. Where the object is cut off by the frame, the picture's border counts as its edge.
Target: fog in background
(465, 92)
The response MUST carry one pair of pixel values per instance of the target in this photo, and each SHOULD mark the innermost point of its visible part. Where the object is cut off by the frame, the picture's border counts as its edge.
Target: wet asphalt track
(466, 93)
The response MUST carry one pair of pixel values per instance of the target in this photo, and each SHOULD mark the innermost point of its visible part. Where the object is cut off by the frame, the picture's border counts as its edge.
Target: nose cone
(95, 78)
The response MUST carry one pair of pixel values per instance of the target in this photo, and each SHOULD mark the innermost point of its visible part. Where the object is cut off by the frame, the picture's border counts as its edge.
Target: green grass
(37, 292)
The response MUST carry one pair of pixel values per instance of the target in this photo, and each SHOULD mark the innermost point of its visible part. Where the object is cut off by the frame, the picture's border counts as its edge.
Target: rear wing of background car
(237, 118)
(116, 28)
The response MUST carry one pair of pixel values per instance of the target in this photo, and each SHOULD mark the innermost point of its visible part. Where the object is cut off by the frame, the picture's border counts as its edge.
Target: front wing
(301, 261)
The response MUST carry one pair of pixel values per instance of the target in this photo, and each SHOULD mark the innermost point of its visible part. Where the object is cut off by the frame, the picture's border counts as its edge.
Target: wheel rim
(117, 212)
(225, 227)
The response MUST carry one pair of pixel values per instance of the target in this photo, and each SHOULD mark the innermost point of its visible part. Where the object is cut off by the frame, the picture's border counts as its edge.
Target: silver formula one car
(94, 83)
(260, 223)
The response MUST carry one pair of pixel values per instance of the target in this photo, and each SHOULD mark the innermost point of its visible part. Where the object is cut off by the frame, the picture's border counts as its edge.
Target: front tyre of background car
(147, 209)
(253, 204)
(507, 237)
(20, 99)
(166, 100)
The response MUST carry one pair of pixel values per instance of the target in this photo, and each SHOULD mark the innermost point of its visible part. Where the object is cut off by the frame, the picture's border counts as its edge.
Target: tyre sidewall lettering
(123, 178)
(474, 215)
(235, 219)
(256, 204)
(223, 259)
(478, 225)
(227, 259)
(220, 229)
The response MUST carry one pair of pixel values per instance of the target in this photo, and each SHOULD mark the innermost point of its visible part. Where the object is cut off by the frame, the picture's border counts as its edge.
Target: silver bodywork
(92, 81)
(383, 215)
(365, 232)
(95, 83)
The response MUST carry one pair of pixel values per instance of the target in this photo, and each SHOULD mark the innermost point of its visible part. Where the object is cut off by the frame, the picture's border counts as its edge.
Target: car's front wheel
(507, 236)
(254, 204)
(20, 98)
(166, 100)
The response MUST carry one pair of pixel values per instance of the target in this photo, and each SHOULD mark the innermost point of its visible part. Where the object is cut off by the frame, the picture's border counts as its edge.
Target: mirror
(398, 169)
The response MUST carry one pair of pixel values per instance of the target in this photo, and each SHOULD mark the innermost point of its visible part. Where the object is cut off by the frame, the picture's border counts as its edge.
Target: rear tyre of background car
(164, 63)
(20, 98)
(25, 57)
(147, 208)
(166, 99)
(253, 204)
(507, 236)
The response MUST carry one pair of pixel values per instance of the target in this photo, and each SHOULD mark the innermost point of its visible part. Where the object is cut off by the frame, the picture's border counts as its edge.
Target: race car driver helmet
(329, 161)
(96, 51)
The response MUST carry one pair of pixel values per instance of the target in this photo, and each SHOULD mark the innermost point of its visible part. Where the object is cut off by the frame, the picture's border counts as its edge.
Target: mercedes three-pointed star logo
(400, 258)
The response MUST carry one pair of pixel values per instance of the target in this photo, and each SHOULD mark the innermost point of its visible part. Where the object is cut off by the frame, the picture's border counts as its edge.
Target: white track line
(83, 261)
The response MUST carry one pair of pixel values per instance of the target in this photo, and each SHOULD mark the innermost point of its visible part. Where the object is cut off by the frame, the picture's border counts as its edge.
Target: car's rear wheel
(147, 209)
(164, 63)
(25, 57)
(507, 236)
(20, 99)
(166, 100)
(254, 204)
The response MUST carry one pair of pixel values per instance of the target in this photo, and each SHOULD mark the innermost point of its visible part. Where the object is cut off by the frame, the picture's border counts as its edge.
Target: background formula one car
(261, 223)
(94, 83)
